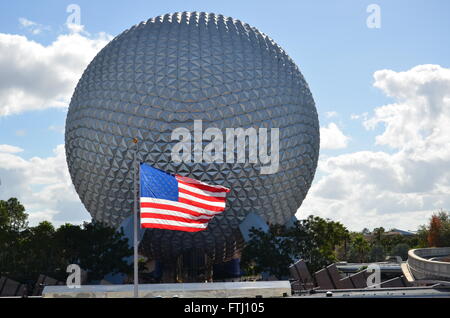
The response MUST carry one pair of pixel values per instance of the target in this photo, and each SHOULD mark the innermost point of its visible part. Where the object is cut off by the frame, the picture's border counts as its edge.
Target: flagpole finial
(135, 140)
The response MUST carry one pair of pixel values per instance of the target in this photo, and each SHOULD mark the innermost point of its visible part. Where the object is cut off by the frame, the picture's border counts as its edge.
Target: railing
(423, 268)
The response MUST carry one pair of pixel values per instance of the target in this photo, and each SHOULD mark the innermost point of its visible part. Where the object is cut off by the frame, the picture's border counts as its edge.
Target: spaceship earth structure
(165, 73)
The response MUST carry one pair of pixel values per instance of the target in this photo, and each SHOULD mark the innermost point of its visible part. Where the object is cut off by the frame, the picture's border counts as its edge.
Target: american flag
(178, 203)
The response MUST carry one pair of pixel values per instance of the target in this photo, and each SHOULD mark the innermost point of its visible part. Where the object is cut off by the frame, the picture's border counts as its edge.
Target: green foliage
(26, 252)
(377, 253)
(365, 231)
(375, 247)
(390, 241)
(378, 233)
(401, 250)
(314, 240)
(422, 235)
(12, 215)
(359, 248)
(101, 251)
(430, 235)
(267, 252)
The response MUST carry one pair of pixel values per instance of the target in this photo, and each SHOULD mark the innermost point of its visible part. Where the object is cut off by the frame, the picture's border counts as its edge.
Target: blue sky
(329, 40)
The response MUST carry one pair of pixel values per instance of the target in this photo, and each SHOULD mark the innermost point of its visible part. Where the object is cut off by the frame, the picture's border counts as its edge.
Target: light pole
(135, 218)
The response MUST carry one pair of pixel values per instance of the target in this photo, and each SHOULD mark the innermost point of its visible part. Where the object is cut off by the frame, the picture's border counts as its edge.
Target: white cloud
(331, 114)
(420, 117)
(331, 137)
(26, 23)
(401, 188)
(33, 27)
(359, 116)
(43, 185)
(10, 149)
(36, 77)
(76, 28)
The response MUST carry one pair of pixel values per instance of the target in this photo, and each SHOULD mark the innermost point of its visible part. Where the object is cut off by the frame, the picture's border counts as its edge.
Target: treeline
(437, 232)
(321, 242)
(26, 252)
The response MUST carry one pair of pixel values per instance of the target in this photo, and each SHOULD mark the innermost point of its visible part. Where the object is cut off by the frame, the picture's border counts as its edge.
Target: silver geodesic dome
(165, 73)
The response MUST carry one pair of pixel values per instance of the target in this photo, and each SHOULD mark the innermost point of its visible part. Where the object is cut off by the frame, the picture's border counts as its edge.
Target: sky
(382, 94)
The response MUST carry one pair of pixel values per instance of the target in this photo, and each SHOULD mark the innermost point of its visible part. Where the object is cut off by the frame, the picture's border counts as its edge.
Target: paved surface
(191, 290)
(410, 292)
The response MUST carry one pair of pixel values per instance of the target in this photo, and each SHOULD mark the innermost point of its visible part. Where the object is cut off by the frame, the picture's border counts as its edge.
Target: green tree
(104, 251)
(69, 240)
(401, 250)
(26, 252)
(13, 221)
(377, 253)
(378, 233)
(313, 239)
(437, 232)
(97, 248)
(12, 215)
(359, 248)
(267, 252)
(365, 231)
(34, 249)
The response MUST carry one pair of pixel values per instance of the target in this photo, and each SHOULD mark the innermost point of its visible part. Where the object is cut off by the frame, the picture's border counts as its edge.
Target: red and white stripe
(197, 204)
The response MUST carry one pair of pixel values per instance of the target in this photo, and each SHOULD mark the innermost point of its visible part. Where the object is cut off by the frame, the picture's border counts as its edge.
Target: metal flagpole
(135, 212)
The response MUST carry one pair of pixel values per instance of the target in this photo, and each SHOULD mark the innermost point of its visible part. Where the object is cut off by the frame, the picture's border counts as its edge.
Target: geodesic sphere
(165, 73)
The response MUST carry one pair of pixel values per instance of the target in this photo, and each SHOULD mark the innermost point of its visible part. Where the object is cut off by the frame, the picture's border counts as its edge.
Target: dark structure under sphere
(165, 73)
